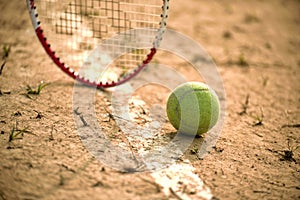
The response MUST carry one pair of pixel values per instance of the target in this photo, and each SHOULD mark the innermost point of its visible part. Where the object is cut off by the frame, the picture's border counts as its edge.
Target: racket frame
(74, 74)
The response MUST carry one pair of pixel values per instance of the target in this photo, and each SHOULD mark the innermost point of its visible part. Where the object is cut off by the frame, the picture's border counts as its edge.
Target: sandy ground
(255, 45)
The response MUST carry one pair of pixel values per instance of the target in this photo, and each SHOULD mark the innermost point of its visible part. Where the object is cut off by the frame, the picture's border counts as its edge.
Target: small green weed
(37, 91)
(289, 153)
(245, 105)
(258, 119)
(15, 133)
(194, 150)
(6, 51)
(242, 61)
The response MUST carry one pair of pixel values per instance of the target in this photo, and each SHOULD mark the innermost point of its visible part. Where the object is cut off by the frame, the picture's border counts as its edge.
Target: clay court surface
(255, 45)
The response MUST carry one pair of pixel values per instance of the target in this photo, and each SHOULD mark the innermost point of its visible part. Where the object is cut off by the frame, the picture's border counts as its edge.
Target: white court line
(179, 180)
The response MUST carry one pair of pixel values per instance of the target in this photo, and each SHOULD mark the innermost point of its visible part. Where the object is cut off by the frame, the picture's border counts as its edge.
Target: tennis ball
(193, 108)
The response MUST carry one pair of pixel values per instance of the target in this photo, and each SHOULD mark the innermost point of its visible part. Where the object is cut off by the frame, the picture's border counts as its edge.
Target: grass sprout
(37, 91)
(15, 133)
(242, 61)
(258, 119)
(289, 153)
(245, 105)
(6, 51)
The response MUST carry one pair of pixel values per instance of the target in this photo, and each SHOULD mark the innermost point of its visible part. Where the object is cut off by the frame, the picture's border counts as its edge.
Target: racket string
(76, 28)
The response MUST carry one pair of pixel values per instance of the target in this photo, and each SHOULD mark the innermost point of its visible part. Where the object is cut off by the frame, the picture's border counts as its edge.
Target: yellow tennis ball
(193, 108)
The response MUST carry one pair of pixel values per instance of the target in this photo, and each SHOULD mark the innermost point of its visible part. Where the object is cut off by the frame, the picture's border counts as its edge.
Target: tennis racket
(100, 43)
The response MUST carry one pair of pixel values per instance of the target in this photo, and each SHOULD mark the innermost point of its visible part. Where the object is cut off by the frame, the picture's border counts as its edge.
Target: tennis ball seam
(184, 94)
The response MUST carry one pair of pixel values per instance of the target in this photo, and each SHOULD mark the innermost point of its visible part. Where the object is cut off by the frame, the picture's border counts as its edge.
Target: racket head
(76, 34)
